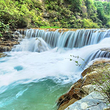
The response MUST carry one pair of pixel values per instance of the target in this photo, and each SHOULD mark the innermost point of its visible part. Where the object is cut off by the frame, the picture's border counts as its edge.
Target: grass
(54, 27)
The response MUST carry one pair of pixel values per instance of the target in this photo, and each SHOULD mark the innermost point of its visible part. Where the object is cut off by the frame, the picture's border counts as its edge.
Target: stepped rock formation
(84, 88)
(8, 40)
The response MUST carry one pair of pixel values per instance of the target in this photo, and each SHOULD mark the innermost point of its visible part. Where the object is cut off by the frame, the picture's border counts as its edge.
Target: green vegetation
(103, 9)
(54, 13)
(87, 23)
(103, 83)
(45, 27)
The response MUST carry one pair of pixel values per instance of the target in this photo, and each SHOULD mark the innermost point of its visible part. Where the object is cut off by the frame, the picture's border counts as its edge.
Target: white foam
(52, 63)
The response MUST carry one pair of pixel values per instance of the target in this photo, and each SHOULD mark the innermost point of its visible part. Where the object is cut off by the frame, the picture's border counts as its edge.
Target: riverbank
(8, 40)
(90, 92)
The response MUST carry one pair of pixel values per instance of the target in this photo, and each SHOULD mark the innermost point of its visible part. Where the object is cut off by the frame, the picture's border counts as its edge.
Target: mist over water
(38, 70)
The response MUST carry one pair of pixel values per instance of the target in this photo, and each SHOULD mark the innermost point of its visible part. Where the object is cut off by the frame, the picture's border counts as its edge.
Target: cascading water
(32, 44)
(69, 39)
(38, 70)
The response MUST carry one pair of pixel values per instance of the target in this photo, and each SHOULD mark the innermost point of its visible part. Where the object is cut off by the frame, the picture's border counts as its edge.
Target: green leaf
(76, 62)
(70, 59)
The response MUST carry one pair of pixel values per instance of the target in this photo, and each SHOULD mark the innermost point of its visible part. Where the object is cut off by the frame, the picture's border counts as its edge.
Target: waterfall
(50, 37)
(81, 38)
(100, 54)
(69, 39)
(94, 55)
(32, 45)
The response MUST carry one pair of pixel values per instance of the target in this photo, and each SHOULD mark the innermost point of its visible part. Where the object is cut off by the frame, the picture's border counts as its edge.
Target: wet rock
(2, 55)
(101, 61)
(107, 108)
(93, 101)
(87, 89)
(16, 33)
(88, 70)
(70, 97)
(1, 49)
(84, 86)
(16, 36)
(6, 48)
(105, 49)
(8, 44)
(8, 40)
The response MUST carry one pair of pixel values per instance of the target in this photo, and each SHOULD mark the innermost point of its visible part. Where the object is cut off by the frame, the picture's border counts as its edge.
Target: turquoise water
(34, 81)
(41, 95)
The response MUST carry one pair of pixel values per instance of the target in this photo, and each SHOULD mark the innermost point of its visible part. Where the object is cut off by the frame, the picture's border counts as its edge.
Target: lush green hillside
(60, 13)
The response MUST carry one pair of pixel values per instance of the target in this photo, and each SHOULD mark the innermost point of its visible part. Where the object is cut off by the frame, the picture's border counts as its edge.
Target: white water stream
(36, 72)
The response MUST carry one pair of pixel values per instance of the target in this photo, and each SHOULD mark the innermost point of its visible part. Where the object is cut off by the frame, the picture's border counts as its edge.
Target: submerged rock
(40, 45)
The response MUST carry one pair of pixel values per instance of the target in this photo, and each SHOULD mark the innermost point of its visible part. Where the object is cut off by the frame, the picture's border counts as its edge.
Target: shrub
(103, 84)
(108, 24)
(88, 23)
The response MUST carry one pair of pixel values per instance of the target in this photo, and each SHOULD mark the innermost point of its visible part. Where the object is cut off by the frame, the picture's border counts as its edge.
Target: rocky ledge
(2, 54)
(8, 40)
(92, 92)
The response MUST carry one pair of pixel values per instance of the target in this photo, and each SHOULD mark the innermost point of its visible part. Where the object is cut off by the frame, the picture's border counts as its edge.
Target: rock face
(8, 40)
(93, 101)
(81, 92)
(22, 31)
(2, 55)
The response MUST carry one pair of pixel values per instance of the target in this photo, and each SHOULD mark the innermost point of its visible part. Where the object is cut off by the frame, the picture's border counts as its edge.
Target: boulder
(84, 86)
(87, 89)
(93, 101)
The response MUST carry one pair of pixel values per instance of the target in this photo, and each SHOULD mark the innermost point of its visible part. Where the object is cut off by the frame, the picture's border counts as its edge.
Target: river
(45, 64)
